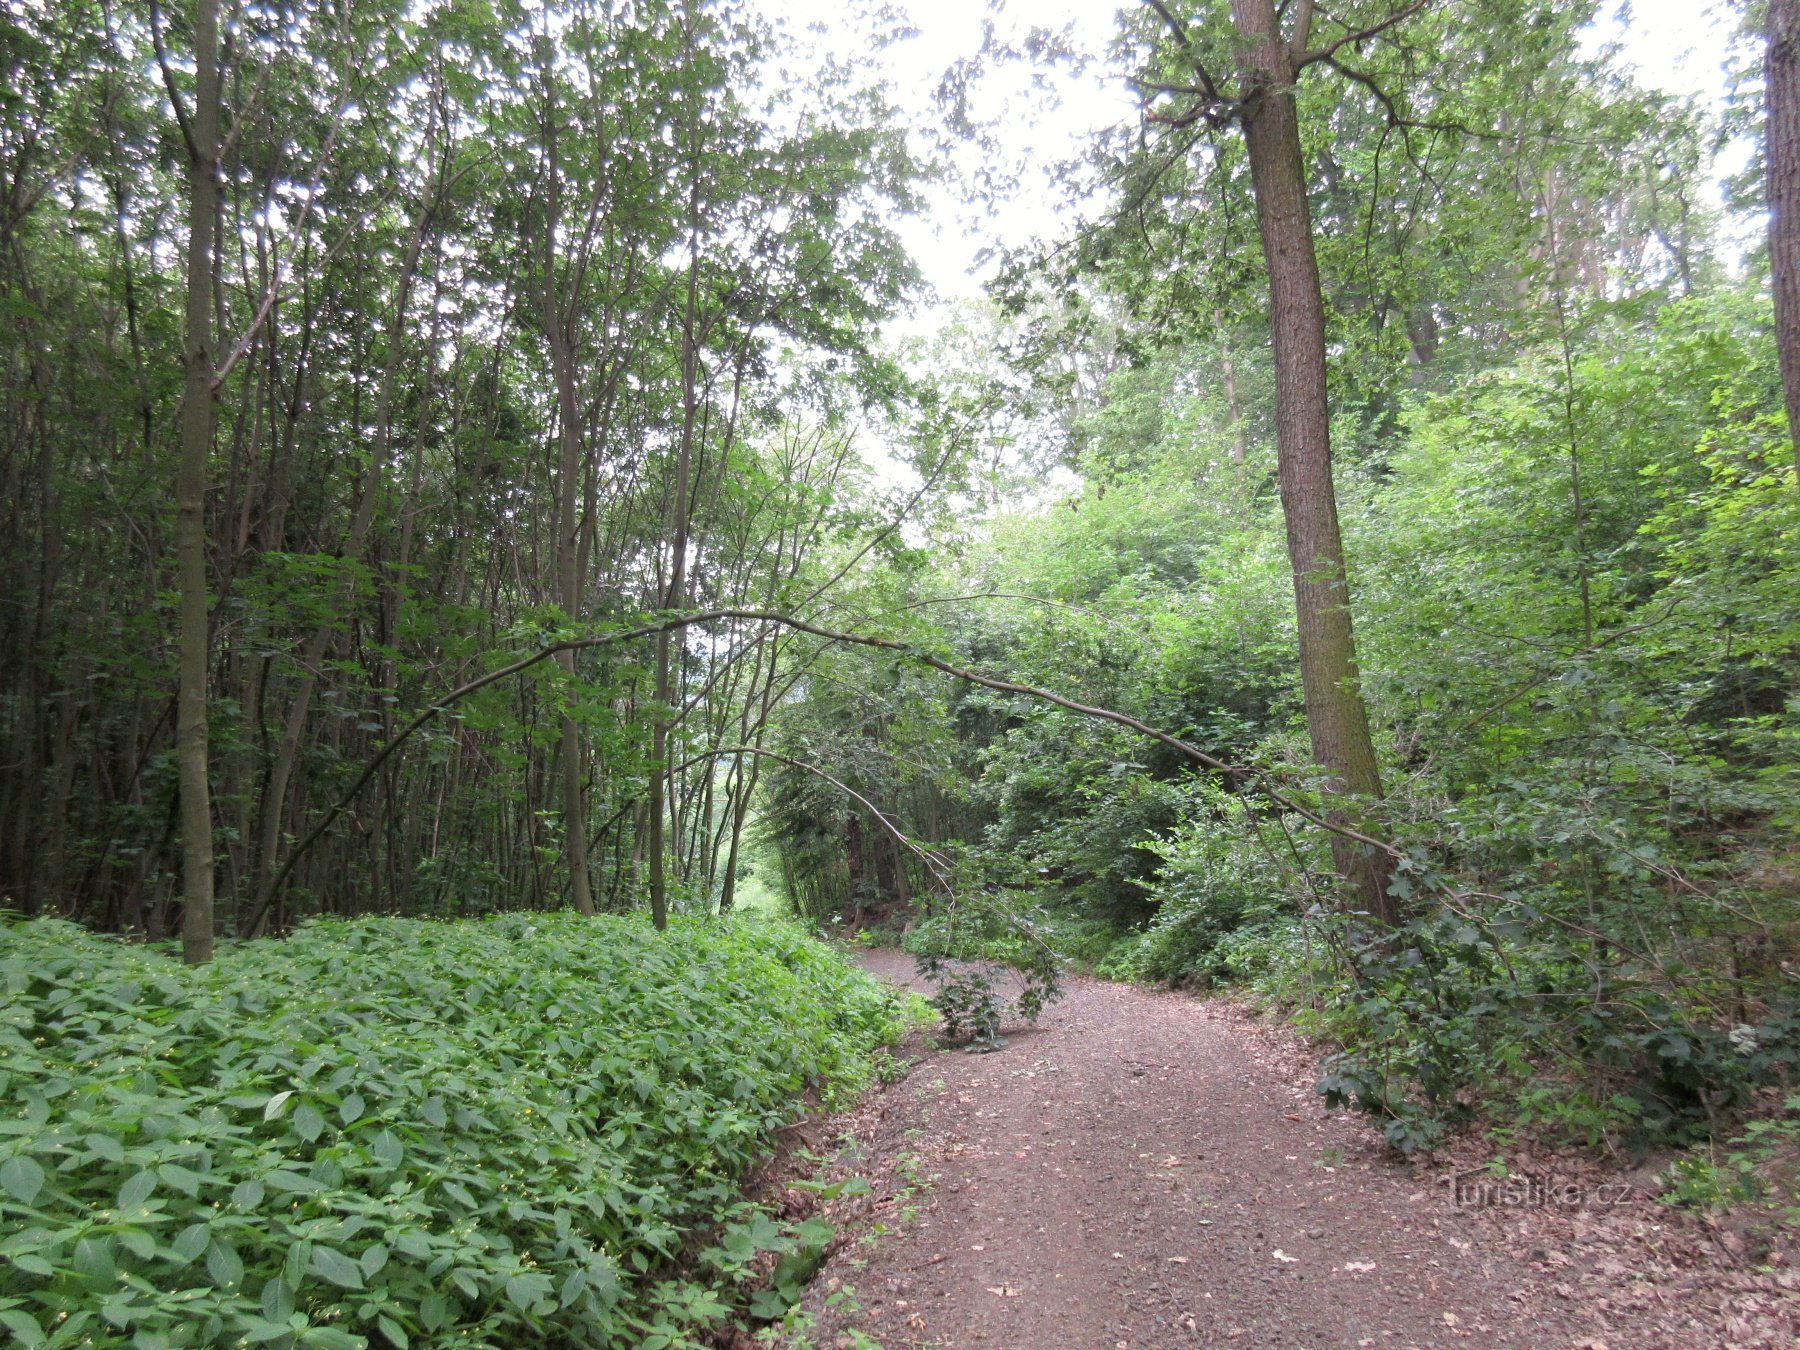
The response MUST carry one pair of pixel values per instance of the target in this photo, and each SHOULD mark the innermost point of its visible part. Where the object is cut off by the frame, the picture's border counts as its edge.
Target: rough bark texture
(1336, 717)
(197, 416)
(1783, 153)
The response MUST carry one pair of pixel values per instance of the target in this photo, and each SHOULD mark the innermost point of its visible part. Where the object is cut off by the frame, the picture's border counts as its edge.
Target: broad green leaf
(224, 1264)
(191, 1241)
(137, 1190)
(434, 1311)
(25, 1327)
(308, 1123)
(336, 1267)
(23, 1178)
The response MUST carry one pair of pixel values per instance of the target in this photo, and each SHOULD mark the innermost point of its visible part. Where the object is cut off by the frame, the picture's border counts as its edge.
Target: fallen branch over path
(1261, 780)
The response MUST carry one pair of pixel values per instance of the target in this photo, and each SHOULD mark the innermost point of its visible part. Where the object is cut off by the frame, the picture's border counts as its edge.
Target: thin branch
(162, 63)
(1258, 778)
(1208, 86)
(1356, 35)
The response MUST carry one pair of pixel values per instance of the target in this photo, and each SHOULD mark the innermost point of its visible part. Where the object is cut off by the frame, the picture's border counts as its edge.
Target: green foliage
(404, 1132)
(1221, 901)
(984, 961)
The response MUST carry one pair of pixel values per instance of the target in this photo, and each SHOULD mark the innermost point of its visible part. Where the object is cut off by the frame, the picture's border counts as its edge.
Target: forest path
(1147, 1169)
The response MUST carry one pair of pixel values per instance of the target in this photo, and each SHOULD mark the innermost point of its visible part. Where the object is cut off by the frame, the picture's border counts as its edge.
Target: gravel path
(1147, 1169)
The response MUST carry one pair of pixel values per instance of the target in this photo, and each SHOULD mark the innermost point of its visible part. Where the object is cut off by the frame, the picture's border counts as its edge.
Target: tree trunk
(1782, 148)
(1336, 718)
(559, 325)
(197, 417)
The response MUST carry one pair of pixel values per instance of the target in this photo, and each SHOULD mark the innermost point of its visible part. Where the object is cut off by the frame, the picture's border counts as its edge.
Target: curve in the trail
(1143, 1170)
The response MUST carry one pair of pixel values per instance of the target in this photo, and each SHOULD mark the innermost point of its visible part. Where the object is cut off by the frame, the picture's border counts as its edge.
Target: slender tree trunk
(1782, 149)
(559, 326)
(1336, 718)
(678, 539)
(197, 417)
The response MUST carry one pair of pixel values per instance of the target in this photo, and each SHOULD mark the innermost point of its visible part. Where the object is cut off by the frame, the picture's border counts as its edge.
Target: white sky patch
(1672, 45)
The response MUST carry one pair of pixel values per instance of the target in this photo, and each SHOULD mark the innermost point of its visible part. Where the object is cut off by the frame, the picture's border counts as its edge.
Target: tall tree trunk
(560, 328)
(1336, 718)
(1782, 149)
(197, 417)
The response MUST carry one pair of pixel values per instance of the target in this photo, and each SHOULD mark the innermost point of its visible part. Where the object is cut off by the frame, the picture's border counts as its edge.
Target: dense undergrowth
(530, 1130)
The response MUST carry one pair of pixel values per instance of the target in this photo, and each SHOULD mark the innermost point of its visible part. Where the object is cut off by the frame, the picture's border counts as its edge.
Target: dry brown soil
(1151, 1169)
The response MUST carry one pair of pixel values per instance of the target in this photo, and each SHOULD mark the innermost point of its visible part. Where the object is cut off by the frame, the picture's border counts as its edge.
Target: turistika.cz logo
(1481, 1188)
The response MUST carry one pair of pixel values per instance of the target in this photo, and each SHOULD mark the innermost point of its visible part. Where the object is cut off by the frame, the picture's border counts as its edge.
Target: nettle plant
(400, 1132)
(984, 963)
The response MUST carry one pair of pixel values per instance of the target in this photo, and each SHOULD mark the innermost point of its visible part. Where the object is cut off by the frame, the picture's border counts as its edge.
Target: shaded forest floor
(1149, 1169)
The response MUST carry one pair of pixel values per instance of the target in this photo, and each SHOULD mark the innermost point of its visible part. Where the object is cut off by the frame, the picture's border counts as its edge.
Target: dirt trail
(1148, 1170)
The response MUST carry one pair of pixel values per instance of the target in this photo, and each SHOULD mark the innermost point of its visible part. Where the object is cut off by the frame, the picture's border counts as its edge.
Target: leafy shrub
(493, 1132)
(1452, 1011)
(967, 950)
(1219, 897)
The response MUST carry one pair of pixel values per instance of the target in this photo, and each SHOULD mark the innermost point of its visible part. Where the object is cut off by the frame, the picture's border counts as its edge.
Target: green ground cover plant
(499, 1132)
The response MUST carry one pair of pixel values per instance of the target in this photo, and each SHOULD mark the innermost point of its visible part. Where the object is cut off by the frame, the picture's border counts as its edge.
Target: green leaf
(137, 1190)
(136, 1241)
(374, 1257)
(352, 1109)
(308, 1123)
(391, 1329)
(292, 1182)
(257, 1330)
(182, 1179)
(336, 1267)
(191, 1241)
(525, 1290)
(277, 1104)
(105, 1146)
(386, 1150)
(23, 1178)
(331, 1338)
(224, 1264)
(434, 1311)
(23, 1326)
(277, 1300)
(432, 1110)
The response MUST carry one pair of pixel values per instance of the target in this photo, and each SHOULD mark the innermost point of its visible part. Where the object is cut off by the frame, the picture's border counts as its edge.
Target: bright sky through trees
(1673, 45)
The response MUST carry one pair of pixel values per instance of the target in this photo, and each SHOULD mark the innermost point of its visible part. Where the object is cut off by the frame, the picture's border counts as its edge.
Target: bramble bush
(492, 1132)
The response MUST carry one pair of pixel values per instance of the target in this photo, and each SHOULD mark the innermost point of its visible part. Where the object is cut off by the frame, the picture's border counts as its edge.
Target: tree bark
(197, 418)
(559, 325)
(1336, 717)
(1782, 149)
